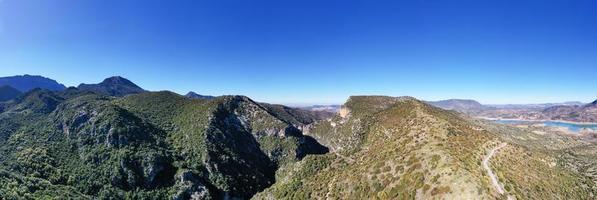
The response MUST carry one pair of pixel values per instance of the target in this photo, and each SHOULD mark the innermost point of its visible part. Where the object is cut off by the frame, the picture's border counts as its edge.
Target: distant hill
(194, 95)
(575, 113)
(297, 116)
(328, 108)
(8, 93)
(26, 83)
(568, 111)
(113, 86)
(461, 105)
(401, 148)
(532, 106)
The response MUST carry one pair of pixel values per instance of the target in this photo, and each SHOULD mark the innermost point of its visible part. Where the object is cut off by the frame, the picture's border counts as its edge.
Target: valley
(115, 140)
(298, 100)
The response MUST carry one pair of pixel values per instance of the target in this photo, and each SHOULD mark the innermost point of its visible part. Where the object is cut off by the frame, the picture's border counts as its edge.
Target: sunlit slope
(401, 148)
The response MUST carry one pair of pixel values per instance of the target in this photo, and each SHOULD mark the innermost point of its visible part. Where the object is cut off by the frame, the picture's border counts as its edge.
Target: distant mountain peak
(461, 105)
(27, 82)
(113, 86)
(194, 95)
(117, 80)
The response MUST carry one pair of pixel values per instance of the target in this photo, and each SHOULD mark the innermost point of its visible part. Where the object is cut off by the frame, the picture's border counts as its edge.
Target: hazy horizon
(312, 52)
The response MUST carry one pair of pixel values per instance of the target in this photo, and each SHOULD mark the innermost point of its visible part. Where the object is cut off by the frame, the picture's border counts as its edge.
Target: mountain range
(567, 111)
(25, 83)
(462, 105)
(114, 140)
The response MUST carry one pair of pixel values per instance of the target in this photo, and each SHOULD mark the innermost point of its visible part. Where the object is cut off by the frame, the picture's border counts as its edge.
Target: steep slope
(84, 144)
(401, 148)
(8, 93)
(146, 146)
(27, 82)
(113, 86)
(194, 95)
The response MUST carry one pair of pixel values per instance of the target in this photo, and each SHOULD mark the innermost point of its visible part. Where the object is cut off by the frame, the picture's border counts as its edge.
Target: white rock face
(344, 112)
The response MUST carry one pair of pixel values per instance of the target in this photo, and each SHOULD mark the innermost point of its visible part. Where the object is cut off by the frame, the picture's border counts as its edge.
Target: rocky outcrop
(190, 186)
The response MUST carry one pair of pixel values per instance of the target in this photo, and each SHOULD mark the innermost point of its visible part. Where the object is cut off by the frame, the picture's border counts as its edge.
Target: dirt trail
(494, 179)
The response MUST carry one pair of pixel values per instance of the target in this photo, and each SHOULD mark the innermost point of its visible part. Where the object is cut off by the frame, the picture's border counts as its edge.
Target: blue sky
(312, 51)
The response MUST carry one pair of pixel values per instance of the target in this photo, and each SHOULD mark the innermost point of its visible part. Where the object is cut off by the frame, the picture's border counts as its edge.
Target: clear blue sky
(312, 51)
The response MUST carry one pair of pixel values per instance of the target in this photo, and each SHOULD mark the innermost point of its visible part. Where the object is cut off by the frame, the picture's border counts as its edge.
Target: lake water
(570, 126)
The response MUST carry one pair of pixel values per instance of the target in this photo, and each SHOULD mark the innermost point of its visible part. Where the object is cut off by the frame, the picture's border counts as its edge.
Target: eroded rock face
(190, 187)
(150, 172)
(344, 112)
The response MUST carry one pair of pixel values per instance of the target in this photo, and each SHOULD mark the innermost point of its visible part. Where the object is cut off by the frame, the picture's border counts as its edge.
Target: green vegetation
(160, 145)
(81, 145)
(401, 148)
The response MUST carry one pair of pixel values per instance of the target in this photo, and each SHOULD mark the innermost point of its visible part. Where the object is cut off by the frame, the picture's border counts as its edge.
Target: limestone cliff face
(344, 112)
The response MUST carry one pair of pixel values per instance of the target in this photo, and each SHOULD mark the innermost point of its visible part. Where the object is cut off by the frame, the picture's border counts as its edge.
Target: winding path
(494, 179)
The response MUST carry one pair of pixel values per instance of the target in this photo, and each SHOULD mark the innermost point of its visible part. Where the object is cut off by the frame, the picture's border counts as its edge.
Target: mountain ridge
(8, 93)
(25, 83)
(90, 143)
(567, 111)
(147, 145)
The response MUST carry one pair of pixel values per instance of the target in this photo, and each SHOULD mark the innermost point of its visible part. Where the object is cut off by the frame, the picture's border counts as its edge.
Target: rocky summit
(113, 86)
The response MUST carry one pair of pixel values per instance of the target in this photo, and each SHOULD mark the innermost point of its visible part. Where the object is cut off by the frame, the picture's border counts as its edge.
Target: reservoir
(574, 127)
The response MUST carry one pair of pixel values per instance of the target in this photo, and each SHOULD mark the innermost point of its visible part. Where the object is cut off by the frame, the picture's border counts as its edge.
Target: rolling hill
(461, 105)
(575, 113)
